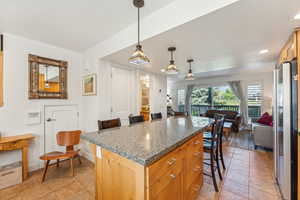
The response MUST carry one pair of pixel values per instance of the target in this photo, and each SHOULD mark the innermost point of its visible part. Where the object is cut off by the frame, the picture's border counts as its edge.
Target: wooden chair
(136, 119)
(67, 139)
(109, 123)
(179, 114)
(155, 116)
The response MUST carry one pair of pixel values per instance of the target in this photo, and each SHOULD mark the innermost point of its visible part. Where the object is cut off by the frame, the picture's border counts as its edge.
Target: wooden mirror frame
(34, 92)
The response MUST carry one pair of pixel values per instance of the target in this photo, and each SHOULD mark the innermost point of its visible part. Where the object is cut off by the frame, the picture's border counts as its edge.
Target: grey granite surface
(147, 142)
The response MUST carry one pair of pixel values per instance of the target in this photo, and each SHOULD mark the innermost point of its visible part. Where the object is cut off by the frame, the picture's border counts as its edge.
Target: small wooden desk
(18, 142)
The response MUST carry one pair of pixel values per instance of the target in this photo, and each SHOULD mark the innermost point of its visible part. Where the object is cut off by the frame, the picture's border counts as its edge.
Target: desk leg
(25, 162)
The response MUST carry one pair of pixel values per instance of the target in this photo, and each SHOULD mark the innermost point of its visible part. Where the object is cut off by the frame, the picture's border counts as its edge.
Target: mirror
(47, 78)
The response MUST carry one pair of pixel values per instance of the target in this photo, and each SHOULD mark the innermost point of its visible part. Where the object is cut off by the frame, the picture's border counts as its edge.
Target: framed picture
(89, 85)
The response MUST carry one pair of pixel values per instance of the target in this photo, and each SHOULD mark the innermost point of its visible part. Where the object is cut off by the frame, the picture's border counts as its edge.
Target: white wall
(16, 102)
(265, 78)
(98, 107)
(92, 108)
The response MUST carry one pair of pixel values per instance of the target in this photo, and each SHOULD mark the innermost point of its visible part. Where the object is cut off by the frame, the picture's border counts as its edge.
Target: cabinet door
(173, 190)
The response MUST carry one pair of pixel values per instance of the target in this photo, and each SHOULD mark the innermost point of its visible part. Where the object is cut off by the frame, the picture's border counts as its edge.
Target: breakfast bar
(153, 160)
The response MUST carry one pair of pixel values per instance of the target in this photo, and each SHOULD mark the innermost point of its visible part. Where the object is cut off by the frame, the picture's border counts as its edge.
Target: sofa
(230, 116)
(262, 135)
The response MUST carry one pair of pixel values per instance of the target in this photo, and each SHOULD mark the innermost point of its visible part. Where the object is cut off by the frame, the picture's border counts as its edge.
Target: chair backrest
(68, 138)
(217, 130)
(179, 113)
(109, 123)
(136, 119)
(156, 116)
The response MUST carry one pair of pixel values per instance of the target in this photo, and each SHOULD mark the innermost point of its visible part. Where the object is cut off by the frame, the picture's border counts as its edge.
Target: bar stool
(211, 146)
(207, 136)
(136, 119)
(112, 123)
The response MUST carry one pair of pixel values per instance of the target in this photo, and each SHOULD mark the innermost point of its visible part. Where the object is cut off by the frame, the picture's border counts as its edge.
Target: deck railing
(197, 110)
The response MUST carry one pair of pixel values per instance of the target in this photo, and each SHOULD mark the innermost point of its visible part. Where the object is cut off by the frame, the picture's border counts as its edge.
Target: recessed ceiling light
(162, 70)
(297, 16)
(263, 51)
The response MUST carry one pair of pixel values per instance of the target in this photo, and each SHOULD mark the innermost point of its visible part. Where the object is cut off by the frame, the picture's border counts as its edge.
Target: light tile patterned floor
(249, 175)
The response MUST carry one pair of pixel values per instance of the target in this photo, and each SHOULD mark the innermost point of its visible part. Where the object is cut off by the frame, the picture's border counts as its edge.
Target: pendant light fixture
(190, 76)
(171, 68)
(138, 57)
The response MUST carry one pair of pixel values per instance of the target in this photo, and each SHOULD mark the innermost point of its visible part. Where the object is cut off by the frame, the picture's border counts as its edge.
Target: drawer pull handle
(196, 169)
(172, 161)
(197, 142)
(197, 154)
(173, 176)
(196, 188)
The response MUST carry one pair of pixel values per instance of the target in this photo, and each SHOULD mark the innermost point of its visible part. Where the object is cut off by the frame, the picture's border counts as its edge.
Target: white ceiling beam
(174, 14)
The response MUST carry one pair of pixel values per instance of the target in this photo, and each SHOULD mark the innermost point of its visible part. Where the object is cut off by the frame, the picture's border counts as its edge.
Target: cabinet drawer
(193, 173)
(193, 191)
(173, 160)
(12, 145)
(172, 177)
(196, 144)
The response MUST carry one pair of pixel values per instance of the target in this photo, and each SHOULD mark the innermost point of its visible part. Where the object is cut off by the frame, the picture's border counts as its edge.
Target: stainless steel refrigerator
(285, 128)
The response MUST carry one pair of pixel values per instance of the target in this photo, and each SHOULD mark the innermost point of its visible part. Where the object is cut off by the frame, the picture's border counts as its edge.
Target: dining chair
(112, 123)
(208, 135)
(67, 139)
(136, 119)
(212, 148)
(179, 113)
(155, 116)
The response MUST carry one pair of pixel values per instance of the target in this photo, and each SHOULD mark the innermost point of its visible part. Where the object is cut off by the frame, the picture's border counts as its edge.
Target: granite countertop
(147, 142)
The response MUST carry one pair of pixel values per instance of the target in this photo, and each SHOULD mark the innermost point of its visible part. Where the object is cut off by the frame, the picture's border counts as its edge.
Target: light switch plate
(33, 117)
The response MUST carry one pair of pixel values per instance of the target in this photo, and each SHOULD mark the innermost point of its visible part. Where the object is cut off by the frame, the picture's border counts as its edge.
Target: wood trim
(1, 80)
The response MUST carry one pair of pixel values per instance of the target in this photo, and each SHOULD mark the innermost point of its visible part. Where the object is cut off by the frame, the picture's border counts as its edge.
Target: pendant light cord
(138, 26)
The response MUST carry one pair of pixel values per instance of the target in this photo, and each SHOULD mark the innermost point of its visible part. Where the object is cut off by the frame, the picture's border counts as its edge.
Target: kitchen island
(152, 160)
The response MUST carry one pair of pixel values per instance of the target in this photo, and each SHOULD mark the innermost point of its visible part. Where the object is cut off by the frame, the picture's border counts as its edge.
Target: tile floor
(249, 175)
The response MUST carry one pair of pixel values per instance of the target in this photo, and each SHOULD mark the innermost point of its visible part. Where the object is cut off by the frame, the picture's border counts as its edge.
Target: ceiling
(72, 24)
(225, 41)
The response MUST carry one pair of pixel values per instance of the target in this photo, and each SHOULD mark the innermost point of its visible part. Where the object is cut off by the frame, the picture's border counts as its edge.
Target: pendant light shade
(138, 57)
(190, 76)
(171, 68)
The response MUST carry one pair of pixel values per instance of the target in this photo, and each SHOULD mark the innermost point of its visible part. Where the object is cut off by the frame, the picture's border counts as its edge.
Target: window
(255, 99)
(200, 96)
(181, 99)
(220, 98)
(223, 96)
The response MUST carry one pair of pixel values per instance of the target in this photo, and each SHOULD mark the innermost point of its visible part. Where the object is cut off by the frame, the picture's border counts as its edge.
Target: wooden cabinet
(289, 51)
(178, 175)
